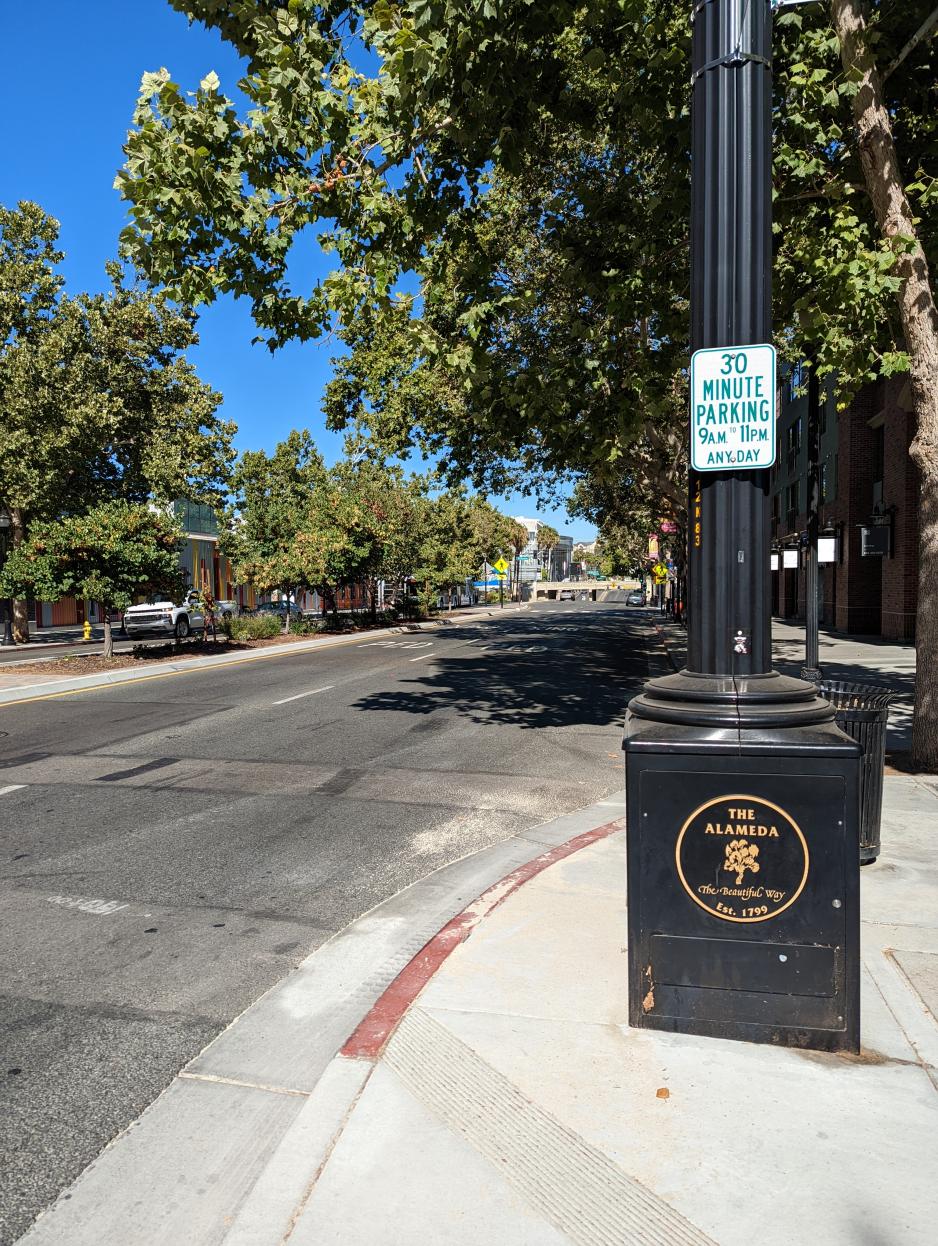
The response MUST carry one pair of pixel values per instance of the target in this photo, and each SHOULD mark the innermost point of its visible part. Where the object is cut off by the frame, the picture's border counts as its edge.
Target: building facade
(201, 563)
(538, 564)
(868, 491)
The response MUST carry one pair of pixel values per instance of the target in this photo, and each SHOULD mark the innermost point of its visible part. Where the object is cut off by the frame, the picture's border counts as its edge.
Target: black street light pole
(811, 669)
(731, 305)
(742, 794)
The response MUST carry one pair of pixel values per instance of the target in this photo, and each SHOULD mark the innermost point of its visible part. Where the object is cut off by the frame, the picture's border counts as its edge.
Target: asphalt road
(171, 848)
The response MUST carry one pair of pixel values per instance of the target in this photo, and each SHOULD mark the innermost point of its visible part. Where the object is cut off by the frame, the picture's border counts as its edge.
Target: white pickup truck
(162, 618)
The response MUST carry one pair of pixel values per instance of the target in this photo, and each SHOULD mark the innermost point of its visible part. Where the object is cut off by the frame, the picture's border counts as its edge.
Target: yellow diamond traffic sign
(501, 566)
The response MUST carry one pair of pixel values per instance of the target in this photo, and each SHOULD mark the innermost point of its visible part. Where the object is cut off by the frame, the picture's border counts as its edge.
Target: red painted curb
(375, 1029)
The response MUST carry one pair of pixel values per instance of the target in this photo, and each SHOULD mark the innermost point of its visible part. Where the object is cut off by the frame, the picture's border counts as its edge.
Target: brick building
(868, 488)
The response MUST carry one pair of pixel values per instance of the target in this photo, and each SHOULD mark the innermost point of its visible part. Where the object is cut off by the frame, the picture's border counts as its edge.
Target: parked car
(227, 609)
(164, 618)
(635, 598)
(279, 608)
(566, 594)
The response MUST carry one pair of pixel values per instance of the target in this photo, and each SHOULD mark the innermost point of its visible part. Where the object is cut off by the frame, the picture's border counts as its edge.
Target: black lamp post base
(743, 863)
(765, 701)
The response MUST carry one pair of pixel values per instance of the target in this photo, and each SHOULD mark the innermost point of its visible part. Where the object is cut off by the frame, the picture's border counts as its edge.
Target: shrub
(260, 627)
(304, 627)
(342, 623)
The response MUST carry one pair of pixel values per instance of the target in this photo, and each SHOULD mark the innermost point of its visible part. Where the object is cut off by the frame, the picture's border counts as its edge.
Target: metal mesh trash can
(861, 710)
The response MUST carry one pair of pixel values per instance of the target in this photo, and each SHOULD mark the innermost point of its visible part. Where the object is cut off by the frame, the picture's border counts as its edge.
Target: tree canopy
(97, 398)
(98, 401)
(508, 195)
(109, 554)
(296, 525)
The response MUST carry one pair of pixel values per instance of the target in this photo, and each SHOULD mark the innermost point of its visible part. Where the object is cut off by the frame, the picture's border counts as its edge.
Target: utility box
(743, 883)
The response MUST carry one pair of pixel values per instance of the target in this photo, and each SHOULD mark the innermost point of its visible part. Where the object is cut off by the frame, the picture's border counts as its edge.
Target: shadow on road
(574, 675)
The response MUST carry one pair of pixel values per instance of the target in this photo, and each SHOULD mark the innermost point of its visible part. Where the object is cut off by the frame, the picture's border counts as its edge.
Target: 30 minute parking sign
(732, 408)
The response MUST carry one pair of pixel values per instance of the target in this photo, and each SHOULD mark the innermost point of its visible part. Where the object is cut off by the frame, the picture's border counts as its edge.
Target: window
(793, 442)
(196, 517)
(879, 452)
(879, 463)
(795, 379)
(792, 505)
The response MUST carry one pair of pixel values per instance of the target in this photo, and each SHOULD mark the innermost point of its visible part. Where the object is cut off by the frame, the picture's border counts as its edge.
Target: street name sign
(732, 408)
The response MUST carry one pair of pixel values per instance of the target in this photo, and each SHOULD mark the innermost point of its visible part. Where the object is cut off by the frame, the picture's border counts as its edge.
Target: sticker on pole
(732, 408)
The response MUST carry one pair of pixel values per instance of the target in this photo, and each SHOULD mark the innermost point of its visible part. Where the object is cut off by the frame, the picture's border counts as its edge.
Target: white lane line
(11, 787)
(478, 638)
(421, 658)
(103, 908)
(312, 692)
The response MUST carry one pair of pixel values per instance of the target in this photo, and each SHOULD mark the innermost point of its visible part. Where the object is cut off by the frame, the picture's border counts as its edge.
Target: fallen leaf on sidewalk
(662, 1093)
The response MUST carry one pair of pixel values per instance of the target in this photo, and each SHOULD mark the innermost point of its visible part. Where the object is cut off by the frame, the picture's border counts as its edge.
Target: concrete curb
(257, 1113)
(156, 670)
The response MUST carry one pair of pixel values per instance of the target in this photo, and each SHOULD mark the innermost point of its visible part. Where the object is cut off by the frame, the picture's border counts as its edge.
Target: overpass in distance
(593, 590)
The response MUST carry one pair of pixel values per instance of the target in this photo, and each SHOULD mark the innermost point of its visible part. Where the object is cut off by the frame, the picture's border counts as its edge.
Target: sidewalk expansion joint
(327, 1154)
(235, 1081)
(913, 1040)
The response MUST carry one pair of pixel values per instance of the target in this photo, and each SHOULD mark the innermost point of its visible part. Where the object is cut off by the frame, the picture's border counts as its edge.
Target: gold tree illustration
(741, 856)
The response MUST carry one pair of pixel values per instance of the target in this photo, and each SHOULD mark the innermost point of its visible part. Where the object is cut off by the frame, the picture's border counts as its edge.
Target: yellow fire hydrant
(87, 629)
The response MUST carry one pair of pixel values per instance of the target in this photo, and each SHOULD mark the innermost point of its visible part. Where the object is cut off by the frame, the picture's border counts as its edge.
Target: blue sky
(70, 77)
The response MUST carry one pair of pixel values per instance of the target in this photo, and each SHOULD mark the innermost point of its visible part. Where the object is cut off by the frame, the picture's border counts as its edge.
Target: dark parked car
(279, 608)
(635, 598)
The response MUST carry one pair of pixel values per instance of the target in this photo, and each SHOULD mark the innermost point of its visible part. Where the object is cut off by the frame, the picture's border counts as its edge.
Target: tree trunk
(108, 634)
(20, 608)
(920, 328)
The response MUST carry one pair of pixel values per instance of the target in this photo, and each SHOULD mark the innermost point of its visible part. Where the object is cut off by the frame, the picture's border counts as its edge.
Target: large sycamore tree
(505, 185)
(98, 401)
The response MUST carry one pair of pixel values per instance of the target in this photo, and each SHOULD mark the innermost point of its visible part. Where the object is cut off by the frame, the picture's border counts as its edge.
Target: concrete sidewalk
(856, 659)
(457, 1068)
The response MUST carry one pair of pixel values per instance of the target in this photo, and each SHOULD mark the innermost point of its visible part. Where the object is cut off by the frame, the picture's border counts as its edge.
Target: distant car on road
(635, 598)
(566, 594)
(227, 609)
